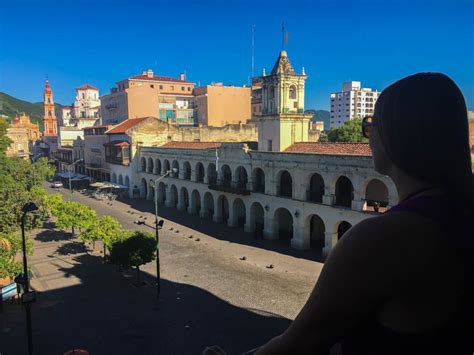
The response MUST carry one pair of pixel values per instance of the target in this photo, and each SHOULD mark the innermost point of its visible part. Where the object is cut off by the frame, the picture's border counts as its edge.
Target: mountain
(320, 115)
(11, 106)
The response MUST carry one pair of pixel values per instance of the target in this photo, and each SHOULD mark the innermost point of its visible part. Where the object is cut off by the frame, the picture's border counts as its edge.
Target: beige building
(282, 122)
(24, 134)
(169, 99)
(219, 105)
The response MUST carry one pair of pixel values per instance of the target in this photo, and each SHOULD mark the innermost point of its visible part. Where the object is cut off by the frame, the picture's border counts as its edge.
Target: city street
(218, 287)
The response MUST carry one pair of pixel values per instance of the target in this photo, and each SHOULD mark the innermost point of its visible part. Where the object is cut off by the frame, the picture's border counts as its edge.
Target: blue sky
(101, 42)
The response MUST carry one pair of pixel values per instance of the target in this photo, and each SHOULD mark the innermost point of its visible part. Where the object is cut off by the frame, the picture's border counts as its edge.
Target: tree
(10, 247)
(138, 249)
(105, 228)
(4, 140)
(351, 132)
(72, 214)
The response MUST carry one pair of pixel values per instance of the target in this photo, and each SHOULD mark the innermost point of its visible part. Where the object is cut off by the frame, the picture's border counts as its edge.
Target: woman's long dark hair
(423, 124)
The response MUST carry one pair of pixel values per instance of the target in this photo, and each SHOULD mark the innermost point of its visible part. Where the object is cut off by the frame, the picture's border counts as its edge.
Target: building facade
(352, 102)
(167, 98)
(50, 123)
(219, 105)
(85, 110)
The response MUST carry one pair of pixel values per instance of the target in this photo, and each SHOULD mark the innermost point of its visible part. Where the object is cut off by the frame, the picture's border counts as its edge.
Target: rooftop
(125, 125)
(361, 149)
(159, 78)
(191, 145)
(87, 87)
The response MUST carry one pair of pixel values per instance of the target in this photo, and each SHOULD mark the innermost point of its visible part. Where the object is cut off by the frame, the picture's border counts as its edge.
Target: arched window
(258, 180)
(143, 164)
(285, 184)
(292, 93)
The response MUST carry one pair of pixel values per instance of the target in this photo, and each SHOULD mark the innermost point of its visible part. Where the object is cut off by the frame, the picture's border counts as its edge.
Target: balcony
(117, 161)
(229, 189)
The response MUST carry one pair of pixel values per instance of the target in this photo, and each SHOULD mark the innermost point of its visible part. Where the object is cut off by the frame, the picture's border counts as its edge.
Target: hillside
(320, 115)
(10, 106)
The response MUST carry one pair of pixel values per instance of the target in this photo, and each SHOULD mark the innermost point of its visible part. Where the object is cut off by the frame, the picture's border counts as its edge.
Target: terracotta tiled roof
(159, 78)
(117, 144)
(87, 86)
(191, 145)
(125, 125)
(330, 148)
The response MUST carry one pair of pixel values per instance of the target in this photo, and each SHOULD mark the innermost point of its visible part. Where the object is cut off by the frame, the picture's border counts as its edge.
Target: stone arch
(183, 198)
(200, 172)
(223, 208)
(315, 231)
(258, 180)
(127, 181)
(241, 177)
(161, 192)
(120, 179)
(342, 228)
(157, 166)
(208, 205)
(143, 188)
(283, 224)
(212, 173)
(284, 184)
(292, 92)
(175, 168)
(239, 212)
(257, 215)
(143, 164)
(186, 170)
(151, 191)
(344, 191)
(173, 197)
(376, 195)
(166, 166)
(316, 188)
(150, 165)
(226, 175)
(195, 204)
(114, 177)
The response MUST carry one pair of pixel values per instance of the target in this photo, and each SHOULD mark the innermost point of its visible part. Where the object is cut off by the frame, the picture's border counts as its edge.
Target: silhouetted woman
(402, 282)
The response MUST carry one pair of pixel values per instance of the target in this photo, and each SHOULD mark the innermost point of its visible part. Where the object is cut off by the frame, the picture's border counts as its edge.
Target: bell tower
(49, 120)
(283, 121)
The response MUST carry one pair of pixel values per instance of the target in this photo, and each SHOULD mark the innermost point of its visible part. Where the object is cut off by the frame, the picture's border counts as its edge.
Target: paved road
(209, 296)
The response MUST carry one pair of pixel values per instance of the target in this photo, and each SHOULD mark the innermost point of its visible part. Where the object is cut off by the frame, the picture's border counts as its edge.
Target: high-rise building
(282, 121)
(49, 120)
(352, 102)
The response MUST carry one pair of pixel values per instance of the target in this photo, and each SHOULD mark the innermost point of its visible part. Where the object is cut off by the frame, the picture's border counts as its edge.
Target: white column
(330, 240)
(181, 206)
(217, 212)
(248, 228)
(232, 220)
(193, 175)
(269, 229)
(357, 203)
(329, 197)
(169, 198)
(300, 240)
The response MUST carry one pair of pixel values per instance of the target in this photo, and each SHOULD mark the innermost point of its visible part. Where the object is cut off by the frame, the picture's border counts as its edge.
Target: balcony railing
(117, 161)
(230, 189)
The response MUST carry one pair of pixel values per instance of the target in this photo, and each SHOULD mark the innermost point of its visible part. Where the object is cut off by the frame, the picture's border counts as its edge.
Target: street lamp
(158, 225)
(70, 172)
(27, 296)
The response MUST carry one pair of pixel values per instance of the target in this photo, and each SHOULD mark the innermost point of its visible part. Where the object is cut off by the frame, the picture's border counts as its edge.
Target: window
(182, 88)
(269, 145)
(189, 89)
(161, 87)
(152, 86)
(83, 95)
(172, 88)
(292, 93)
(83, 114)
(49, 113)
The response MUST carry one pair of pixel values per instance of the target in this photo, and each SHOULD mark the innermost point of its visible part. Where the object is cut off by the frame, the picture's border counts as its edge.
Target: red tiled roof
(159, 78)
(86, 86)
(117, 144)
(330, 148)
(192, 145)
(125, 125)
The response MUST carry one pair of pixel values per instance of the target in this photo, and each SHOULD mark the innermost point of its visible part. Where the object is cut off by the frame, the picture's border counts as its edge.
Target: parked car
(57, 184)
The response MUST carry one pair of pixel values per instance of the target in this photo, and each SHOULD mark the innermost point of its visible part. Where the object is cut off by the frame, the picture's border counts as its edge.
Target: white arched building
(281, 187)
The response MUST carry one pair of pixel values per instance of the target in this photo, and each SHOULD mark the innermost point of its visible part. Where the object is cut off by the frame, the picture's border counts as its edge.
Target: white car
(57, 184)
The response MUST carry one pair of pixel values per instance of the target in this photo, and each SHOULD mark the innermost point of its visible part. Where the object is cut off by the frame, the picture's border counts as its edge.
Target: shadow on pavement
(105, 314)
(219, 230)
(52, 235)
(72, 248)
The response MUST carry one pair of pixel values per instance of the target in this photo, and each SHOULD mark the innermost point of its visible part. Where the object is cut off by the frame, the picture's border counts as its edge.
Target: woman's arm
(358, 276)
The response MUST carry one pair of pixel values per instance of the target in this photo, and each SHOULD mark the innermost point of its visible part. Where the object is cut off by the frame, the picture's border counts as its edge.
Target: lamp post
(158, 225)
(27, 296)
(70, 172)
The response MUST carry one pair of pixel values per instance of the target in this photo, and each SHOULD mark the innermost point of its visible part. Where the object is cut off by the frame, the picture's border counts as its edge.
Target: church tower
(283, 121)
(49, 120)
